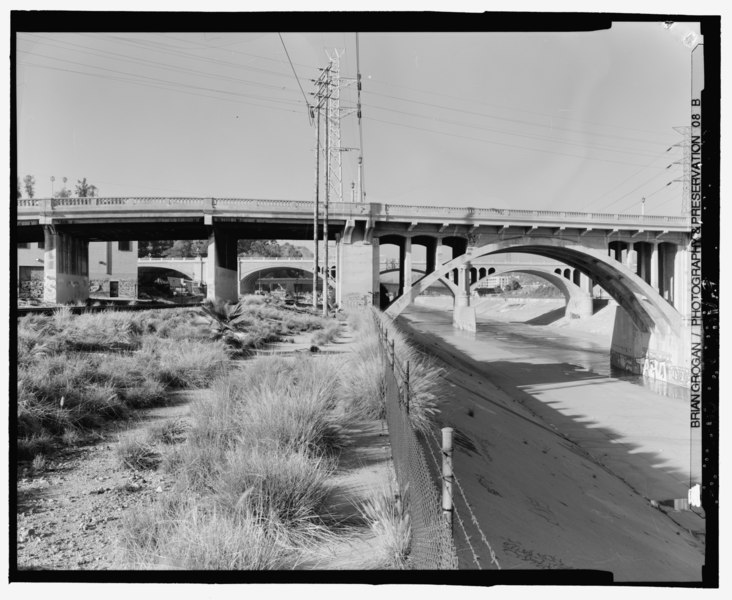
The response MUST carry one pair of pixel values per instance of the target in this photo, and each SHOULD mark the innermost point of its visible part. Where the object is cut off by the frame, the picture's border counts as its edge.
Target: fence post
(406, 388)
(393, 356)
(447, 476)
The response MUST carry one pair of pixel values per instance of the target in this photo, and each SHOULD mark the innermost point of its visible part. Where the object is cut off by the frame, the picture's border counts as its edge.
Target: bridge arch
(647, 310)
(578, 301)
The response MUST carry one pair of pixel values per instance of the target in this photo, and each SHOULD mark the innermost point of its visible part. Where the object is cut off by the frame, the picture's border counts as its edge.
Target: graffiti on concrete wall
(659, 369)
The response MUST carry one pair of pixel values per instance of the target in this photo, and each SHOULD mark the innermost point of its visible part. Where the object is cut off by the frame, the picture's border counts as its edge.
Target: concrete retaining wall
(664, 357)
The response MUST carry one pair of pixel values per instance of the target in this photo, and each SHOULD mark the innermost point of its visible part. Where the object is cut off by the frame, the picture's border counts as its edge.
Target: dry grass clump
(365, 375)
(425, 378)
(76, 372)
(326, 335)
(386, 513)
(256, 459)
(364, 378)
(172, 431)
(190, 533)
(135, 452)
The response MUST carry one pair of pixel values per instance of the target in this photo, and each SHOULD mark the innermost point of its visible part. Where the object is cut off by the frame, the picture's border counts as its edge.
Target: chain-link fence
(431, 545)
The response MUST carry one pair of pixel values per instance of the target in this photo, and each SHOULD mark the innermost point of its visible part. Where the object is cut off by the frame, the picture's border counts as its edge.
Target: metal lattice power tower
(334, 160)
(686, 165)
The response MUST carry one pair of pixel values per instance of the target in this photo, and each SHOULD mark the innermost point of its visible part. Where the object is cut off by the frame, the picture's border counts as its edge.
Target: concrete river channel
(564, 463)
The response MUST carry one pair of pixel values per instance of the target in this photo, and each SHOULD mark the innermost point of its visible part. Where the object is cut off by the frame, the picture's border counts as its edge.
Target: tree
(84, 189)
(19, 194)
(29, 181)
(154, 248)
(187, 249)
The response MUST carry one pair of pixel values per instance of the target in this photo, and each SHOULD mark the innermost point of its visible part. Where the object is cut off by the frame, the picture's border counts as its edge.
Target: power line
(643, 168)
(162, 87)
(465, 137)
(86, 50)
(514, 134)
(647, 196)
(509, 120)
(307, 104)
(656, 176)
(166, 49)
(157, 79)
(511, 108)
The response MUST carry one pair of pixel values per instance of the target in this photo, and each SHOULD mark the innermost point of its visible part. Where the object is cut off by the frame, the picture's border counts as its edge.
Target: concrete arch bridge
(647, 263)
(293, 274)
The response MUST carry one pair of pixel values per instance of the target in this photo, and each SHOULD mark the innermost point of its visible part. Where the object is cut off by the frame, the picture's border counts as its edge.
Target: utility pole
(315, 212)
(328, 79)
(320, 98)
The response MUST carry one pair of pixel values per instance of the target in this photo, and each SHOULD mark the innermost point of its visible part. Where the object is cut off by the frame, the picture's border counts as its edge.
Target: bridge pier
(222, 281)
(405, 265)
(463, 315)
(358, 278)
(65, 267)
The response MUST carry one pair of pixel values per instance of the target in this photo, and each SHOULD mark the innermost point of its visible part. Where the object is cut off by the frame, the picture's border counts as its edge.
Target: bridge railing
(347, 210)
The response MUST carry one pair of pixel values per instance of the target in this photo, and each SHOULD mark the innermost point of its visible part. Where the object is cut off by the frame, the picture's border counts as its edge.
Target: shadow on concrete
(600, 445)
(599, 303)
(548, 317)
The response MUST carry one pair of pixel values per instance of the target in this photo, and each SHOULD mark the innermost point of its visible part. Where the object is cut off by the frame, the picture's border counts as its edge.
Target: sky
(556, 121)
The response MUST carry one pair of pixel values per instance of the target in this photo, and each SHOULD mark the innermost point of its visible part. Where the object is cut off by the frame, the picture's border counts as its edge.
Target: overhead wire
(485, 141)
(511, 108)
(635, 189)
(643, 168)
(86, 50)
(163, 87)
(307, 103)
(514, 134)
(510, 120)
(172, 51)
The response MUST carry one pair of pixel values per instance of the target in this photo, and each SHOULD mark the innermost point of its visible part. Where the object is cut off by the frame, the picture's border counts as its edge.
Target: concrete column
(222, 268)
(682, 282)
(654, 266)
(441, 253)
(631, 258)
(339, 289)
(65, 268)
(586, 284)
(430, 255)
(359, 277)
(463, 297)
(375, 273)
(463, 315)
(407, 260)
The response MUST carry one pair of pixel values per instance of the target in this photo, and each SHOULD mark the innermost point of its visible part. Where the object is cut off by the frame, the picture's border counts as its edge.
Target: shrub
(173, 431)
(286, 482)
(135, 452)
(30, 447)
(326, 335)
(386, 514)
(425, 379)
(189, 365)
(363, 381)
(184, 534)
